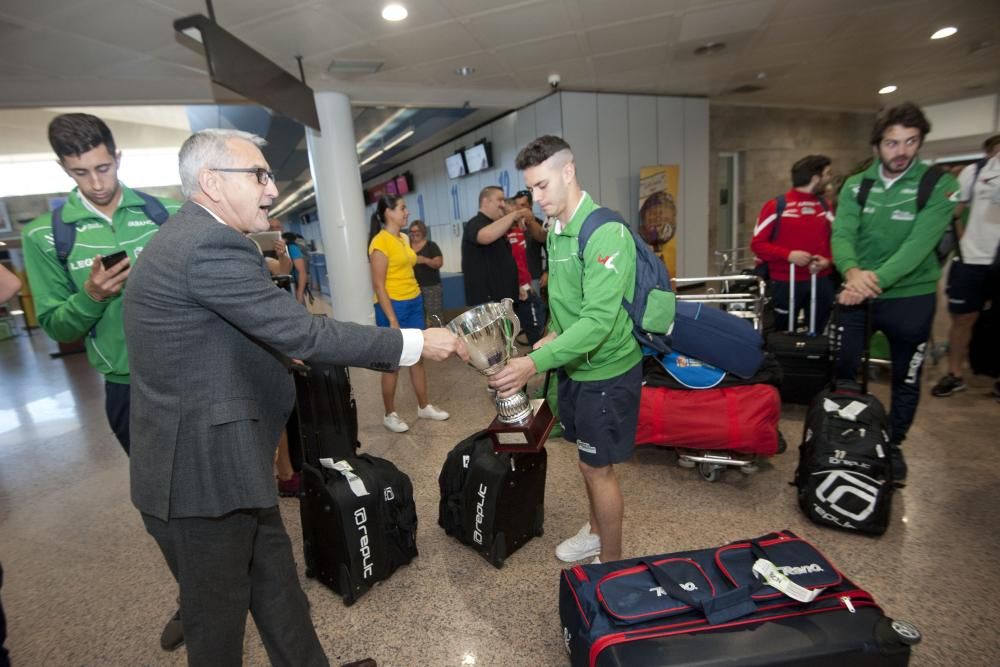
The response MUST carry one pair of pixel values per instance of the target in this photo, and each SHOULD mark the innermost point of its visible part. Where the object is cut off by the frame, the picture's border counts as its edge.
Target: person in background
(800, 236)
(528, 306)
(398, 303)
(300, 271)
(886, 255)
(488, 267)
(969, 277)
(10, 284)
(82, 298)
(428, 272)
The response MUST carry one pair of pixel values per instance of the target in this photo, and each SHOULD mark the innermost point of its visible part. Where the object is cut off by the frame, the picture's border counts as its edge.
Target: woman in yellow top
(398, 302)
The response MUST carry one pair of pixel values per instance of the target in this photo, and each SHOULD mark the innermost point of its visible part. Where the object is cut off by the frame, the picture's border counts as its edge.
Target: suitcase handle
(836, 343)
(721, 608)
(791, 300)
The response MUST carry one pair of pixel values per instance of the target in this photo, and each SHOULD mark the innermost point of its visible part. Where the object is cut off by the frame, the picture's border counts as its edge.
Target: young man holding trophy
(589, 340)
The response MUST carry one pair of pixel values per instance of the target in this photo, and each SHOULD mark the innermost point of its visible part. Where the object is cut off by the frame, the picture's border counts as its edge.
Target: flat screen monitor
(403, 184)
(455, 165)
(390, 188)
(478, 158)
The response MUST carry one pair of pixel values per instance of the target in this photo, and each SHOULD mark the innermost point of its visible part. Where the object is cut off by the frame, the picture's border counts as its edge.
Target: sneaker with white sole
(392, 422)
(579, 547)
(430, 412)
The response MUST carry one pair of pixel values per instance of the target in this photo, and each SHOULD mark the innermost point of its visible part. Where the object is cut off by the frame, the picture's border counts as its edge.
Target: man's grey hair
(207, 150)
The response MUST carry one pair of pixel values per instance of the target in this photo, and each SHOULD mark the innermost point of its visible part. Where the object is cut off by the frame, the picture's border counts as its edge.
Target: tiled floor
(85, 584)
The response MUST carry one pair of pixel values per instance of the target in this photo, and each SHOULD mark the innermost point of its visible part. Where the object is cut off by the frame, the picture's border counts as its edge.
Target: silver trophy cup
(489, 331)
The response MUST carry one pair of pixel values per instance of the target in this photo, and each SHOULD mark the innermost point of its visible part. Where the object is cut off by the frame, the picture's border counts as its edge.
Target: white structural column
(340, 205)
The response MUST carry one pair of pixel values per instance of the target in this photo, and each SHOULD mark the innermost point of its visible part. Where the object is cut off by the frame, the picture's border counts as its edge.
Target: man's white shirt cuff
(413, 345)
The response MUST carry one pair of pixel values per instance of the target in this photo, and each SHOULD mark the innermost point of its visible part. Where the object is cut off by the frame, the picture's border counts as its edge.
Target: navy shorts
(968, 287)
(601, 416)
(409, 313)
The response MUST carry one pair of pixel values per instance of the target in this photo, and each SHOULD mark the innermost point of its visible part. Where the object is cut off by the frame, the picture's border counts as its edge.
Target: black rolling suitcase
(845, 475)
(327, 412)
(710, 608)
(492, 501)
(804, 358)
(359, 523)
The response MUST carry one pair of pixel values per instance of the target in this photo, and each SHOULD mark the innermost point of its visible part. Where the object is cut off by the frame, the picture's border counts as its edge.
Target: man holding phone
(78, 275)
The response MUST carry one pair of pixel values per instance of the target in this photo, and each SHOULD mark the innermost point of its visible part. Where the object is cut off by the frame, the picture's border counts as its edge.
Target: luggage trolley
(743, 295)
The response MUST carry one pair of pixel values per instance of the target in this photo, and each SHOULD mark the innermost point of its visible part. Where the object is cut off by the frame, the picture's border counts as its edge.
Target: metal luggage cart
(742, 295)
(745, 296)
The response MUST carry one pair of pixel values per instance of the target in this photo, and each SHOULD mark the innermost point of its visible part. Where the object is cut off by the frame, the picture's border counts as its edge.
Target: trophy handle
(507, 306)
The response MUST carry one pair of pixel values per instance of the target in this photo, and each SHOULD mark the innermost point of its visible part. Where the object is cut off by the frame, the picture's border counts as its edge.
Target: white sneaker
(392, 422)
(430, 412)
(582, 545)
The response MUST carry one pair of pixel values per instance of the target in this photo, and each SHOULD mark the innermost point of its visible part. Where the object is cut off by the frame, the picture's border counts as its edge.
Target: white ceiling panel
(367, 15)
(549, 50)
(526, 23)
(600, 13)
(461, 8)
(150, 25)
(305, 31)
(645, 32)
(436, 42)
(614, 63)
(232, 13)
(703, 24)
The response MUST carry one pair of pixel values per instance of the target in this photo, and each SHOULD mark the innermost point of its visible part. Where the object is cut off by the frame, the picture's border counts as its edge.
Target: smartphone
(112, 259)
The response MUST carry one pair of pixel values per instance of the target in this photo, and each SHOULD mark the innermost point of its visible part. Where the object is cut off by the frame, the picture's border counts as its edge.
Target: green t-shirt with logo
(890, 237)
(65, 311)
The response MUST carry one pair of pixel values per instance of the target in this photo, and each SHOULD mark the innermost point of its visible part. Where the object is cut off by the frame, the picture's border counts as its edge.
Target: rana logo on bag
(688, 586)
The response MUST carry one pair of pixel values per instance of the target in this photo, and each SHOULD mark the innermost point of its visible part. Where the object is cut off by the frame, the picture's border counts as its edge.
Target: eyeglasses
(263, 175)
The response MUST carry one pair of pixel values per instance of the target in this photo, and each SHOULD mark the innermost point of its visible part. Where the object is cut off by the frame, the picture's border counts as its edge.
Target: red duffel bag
(742, 419)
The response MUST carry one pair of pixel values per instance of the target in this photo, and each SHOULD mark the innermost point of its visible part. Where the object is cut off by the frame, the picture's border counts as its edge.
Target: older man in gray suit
(209, 338)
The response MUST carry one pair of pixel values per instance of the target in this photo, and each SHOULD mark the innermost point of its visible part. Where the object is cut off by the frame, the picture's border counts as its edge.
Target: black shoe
(173, 633)
(947, 386)
(899, 467)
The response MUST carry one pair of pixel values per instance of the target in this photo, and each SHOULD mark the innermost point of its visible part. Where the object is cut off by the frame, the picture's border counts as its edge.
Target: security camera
(554, 80)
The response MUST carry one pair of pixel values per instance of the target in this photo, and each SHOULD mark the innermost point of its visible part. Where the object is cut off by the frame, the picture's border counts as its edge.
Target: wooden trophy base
(527, 437)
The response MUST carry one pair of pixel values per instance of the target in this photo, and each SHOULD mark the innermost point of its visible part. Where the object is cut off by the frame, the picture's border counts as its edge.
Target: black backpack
(653, 301)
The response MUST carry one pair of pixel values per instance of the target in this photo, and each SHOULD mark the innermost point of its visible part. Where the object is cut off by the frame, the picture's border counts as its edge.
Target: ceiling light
(394, 12)
(885, 90)
(372, 157)
(465, 71)
(944, 32)
(401, 138)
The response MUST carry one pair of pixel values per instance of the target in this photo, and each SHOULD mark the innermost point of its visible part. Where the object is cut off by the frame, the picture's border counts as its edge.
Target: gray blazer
(209, 335)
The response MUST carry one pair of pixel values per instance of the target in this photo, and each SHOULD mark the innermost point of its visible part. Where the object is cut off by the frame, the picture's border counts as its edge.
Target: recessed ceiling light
(885, 90)
(394, 12)
(465, 71)
(944, 32)
(710, 47)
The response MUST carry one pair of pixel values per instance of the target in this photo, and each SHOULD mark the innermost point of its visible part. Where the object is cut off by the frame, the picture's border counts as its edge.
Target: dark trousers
(116, 407)
(824, 301)
(906, 323)
(231, 564)
(532, 315)
(4, 656)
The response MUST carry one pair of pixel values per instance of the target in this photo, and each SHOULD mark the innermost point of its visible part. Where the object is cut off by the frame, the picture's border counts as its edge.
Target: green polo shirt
(890, 237)
(65, 311)
(595, 340)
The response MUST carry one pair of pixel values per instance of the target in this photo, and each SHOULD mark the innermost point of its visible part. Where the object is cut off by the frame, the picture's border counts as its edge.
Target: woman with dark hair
(398, 302)
(428, 272)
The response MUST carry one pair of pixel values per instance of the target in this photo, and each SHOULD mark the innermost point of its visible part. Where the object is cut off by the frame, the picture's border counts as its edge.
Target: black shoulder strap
(863, 190)
(926, 188)
(63, 235)
(780, 203)
(822, 202)
(156, 211)
(980, 163)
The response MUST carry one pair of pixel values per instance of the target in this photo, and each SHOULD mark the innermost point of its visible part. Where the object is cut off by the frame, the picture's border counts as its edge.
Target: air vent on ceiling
(746, 88)
(345, 66)
(709, 48)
